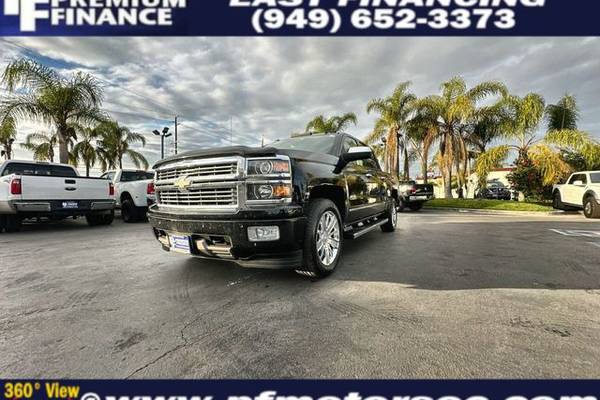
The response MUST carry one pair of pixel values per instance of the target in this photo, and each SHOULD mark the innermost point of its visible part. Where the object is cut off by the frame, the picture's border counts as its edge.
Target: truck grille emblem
(183, 183)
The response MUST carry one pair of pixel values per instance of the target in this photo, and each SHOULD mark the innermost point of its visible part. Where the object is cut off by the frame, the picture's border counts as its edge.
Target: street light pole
(164, 134)
(176, 142)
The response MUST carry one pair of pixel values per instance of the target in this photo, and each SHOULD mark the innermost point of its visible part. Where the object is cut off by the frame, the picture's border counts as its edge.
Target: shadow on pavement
(450, 256)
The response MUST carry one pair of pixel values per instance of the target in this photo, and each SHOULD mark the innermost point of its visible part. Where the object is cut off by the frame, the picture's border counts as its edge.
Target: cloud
(273, 86)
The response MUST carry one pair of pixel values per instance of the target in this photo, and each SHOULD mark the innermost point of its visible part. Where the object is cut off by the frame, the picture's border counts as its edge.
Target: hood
(242, 151)
(248, 152)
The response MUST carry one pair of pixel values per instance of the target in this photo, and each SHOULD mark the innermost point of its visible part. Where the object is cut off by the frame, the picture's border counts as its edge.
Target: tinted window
(578, 177)
(127, 176)
(595, 177)
(316, 143)
(39, 170)
(349, 143)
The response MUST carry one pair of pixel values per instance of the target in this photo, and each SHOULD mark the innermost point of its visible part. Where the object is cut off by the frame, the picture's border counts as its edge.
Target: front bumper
(225, 237)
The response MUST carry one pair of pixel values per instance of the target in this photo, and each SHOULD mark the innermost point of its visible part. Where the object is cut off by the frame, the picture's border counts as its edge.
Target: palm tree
(8, 135)
(527, 114)
(41, 93)
(562, 119)
(85, 149)
(114, 144)
(394, 112)
(334, 125)
(422, 133)
(563, 115)
(453, 110)
(42, 145)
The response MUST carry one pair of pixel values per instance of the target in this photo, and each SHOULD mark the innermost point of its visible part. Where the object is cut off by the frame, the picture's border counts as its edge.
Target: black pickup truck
(286, 206)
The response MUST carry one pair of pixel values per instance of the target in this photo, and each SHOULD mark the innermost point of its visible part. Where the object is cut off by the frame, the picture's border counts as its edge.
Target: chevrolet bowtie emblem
(183, 183)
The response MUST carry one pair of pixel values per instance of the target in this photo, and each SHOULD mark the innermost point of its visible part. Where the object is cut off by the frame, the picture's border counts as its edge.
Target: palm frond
(486, 162)
(29, 74)
(138, 159)
(550, 163)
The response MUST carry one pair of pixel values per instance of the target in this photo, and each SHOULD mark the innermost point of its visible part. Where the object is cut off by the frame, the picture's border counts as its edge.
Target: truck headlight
(268, 167)
(267, 191)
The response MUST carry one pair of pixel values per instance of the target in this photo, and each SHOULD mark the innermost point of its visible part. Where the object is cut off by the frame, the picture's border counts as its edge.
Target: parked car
(581, 192)
(414, 196)
(495, 190)
(38, 190)
(134, 192)
(287, 206)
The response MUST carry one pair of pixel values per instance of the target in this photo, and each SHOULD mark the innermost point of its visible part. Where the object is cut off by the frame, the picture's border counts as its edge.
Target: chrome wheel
(328, 238)
(588, 208)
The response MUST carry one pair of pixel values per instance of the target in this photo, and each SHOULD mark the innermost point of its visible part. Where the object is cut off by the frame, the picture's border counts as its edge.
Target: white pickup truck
(35, 190)
(134, 192)
(581, 192)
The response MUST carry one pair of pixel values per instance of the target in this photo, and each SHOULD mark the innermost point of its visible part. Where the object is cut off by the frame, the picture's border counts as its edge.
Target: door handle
(70, 181)
(70, 189)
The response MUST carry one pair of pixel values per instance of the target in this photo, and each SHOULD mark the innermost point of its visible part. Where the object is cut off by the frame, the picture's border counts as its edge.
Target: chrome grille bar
(212, 183)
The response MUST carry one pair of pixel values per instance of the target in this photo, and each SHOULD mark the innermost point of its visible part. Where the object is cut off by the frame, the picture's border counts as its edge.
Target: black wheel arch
(330, 192)
(590, 194)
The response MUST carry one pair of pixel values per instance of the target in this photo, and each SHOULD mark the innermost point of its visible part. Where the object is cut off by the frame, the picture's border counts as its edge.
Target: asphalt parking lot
(447, 296)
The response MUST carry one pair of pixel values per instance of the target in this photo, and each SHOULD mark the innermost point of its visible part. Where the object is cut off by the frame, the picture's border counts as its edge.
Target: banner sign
(302, 390)
(300, 17)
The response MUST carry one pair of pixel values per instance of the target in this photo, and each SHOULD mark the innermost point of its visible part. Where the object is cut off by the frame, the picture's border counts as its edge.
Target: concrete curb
(504, 212)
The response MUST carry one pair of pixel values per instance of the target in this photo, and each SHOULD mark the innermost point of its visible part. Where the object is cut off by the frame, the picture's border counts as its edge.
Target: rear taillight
(111, 189)
(16, 187)
(413, 190)
(150, 189)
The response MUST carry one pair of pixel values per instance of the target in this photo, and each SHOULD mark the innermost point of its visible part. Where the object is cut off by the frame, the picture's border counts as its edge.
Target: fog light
(263, 233)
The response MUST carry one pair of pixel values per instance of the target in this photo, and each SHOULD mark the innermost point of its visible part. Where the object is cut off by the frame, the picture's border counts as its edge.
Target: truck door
(363, 187)
(575, 189)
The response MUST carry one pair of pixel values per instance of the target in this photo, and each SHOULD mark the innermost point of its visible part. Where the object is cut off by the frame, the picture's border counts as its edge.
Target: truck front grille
(204, 172)
(203, 197)
(204, 183)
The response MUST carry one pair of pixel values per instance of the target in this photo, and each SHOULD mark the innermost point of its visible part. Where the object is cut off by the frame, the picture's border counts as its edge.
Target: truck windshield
(315, 143)
(129, 176)
(39, 170)
(595, 177)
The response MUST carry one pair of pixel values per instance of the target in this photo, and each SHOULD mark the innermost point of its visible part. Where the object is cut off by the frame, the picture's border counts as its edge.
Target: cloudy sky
(274, 86)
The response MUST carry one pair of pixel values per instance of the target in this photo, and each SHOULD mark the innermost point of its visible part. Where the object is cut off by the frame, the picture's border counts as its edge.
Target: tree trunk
(406, 165)
(424, 171)
(447, 162)
(63, 150)
(87, 169)
(448, 183)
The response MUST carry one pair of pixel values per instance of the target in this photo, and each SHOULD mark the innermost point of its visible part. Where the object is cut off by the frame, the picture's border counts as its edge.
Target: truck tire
(129, 212)
(324, 231)
(591, 209)
(557, 203)
(392, 216)
(13, 223)
(401, 205)
(100, 219)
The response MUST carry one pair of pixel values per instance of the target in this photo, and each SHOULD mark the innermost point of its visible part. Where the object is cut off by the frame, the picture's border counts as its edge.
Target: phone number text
(330, 20)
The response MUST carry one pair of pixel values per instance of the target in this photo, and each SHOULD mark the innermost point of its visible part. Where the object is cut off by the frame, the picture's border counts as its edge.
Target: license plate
(180, 244)
(69, 205)
(418, 198)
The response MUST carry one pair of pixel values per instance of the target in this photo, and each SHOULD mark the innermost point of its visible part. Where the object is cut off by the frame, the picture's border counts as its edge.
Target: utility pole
(176, 124)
